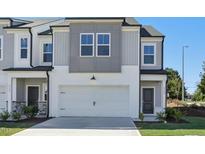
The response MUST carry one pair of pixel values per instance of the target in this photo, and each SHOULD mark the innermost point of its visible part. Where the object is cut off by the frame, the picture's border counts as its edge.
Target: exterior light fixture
(93, 78)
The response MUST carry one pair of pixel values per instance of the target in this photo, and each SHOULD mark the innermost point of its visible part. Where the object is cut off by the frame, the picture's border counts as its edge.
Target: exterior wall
(8, 49)
(128, 77)
(130, 47)
(61, 48)
(159, 104)
(95, 64)
(21, 87)
(158, 54)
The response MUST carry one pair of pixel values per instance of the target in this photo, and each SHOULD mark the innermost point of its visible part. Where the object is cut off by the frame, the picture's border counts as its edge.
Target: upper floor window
(103, 44)
(47, 52)
(149, 54)
(1, 47)
(86, 44)
(24, 48)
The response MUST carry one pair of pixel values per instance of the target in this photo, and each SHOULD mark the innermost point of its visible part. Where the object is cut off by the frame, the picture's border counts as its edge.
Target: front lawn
(195, 126)
(10, 128)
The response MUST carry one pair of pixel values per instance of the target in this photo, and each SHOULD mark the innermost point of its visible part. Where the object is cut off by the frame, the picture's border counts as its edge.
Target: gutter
(48, 93)
(31, 47)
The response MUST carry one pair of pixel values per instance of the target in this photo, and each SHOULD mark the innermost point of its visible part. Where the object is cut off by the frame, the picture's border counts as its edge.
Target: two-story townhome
(103, 67)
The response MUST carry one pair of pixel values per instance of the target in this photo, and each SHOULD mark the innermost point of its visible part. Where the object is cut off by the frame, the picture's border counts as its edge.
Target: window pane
(86, 39)
(47, 57)
(103, 39)
(148, 49)
(24, 42)
(23, 53)
(149, 59)
(47, 47)
(103, 50)
(86, 50)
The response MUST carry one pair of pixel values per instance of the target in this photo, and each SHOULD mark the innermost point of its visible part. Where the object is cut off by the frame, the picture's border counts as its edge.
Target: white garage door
(2, 98)
(107, 101)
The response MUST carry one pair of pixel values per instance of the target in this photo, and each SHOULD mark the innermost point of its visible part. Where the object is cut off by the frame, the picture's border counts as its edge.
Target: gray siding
(158, 55)
(21, 87)
(130, 48)
(95, 64)
(158, 92)
(8, 49)
(61, 48)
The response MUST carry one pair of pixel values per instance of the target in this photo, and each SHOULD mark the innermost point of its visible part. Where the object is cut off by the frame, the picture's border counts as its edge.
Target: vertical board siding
(130, 48)
(61, 48)
(8, 49)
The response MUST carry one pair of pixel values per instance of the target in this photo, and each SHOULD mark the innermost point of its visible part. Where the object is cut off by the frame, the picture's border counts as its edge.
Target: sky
(179, 32)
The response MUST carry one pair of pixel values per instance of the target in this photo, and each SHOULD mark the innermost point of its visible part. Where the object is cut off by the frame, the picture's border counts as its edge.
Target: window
(24, 48)
(86, 44)
(149, 54)
(1, 47)
(47, 52)
(103, 44)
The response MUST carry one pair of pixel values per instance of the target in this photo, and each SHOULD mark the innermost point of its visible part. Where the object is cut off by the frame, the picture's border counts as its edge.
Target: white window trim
(2, 46)
(149, 44)
(28, 46)
(154, 110)
(103, 44)
(42, 46)
(87, 44)
(39, 92)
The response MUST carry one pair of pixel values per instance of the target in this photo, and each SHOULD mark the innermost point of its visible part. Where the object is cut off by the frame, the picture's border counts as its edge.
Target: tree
(174, 83)
(199, 94)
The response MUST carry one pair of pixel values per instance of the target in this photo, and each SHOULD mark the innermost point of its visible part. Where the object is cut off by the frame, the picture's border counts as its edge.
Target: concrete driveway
(83, 126)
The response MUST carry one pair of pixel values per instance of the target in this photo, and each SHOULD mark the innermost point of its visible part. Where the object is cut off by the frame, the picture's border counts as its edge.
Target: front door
(148, 100)
(33, 95)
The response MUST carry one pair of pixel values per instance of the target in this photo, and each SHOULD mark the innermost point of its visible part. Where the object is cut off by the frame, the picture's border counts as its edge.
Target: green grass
(10, 128)
(196, 126)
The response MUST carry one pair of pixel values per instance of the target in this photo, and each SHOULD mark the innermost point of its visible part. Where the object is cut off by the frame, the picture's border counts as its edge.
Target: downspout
(140, 72)
(31, 47)
(48, 92)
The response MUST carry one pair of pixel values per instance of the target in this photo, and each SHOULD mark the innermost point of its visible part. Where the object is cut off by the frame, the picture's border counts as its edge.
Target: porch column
(163, 87)
(9, 97)
(13, 86)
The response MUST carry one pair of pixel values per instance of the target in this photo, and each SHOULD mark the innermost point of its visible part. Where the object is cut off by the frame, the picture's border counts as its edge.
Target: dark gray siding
(95, 64)
(8, 49)
(61, 48)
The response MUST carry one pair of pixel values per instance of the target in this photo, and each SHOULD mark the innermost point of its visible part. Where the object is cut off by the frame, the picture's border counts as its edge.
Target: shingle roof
(149, 31)
(46, 32)
(36, 68)
(163, 72)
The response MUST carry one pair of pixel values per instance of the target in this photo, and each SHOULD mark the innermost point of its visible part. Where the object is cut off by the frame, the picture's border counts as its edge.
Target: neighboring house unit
(109, 67)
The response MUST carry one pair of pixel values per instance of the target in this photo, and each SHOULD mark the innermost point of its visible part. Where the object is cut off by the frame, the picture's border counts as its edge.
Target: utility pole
(183, 47)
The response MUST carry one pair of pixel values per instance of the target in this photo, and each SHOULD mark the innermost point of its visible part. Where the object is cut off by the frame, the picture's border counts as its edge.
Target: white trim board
(2, 48)
(144, 87)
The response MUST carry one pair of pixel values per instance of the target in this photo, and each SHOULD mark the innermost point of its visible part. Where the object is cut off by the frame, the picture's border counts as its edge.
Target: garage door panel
(78, 101)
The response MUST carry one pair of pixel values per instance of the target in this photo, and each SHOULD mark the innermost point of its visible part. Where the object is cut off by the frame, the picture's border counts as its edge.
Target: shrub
(30, 111)
(178, 115)
(161, 116)
(4, 115)
(141, 116)
(16, 116)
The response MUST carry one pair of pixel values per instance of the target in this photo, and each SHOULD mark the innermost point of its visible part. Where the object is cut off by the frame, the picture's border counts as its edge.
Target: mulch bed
(32, 120)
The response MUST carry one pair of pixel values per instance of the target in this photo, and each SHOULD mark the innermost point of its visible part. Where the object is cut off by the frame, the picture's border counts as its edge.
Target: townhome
(100, 67)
